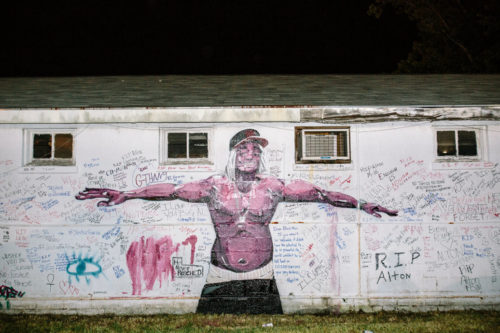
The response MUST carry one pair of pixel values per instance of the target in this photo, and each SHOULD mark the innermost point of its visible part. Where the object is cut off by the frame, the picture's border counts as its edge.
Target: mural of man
(241, 203)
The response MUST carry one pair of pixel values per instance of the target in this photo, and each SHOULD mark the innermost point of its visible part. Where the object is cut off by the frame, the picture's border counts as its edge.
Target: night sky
(73, 38)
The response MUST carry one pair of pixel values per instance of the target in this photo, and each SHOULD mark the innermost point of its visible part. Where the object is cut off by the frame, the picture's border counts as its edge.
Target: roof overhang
(324, 114)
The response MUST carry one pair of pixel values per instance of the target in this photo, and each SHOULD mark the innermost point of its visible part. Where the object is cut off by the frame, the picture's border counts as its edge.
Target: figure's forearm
(153, 192)
(338, 199)
(343, 200)
(302, 191)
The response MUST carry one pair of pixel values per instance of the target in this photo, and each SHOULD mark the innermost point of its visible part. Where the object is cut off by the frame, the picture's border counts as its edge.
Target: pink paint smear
(151, 260)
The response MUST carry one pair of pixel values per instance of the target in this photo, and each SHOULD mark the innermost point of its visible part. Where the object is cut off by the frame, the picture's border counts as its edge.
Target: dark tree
(455, 36)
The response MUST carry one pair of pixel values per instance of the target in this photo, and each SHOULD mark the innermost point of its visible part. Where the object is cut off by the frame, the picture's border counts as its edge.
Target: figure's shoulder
(270, 181)
(218, 180)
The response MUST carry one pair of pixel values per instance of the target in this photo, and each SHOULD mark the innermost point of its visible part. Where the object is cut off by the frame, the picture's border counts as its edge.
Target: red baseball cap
(247, 135)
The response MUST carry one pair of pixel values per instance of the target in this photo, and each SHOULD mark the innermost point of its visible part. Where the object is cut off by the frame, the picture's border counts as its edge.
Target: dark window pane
(177, 145)
(198, 145)
(63, 146)
(467, 143)
(446, 143)
(341, 144)
(42, 146)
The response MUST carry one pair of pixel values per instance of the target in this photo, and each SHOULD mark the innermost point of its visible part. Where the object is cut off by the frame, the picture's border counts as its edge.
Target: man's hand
(374, 209)
(113, 197)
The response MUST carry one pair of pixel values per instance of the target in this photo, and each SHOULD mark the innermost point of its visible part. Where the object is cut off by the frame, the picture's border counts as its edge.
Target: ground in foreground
(467, 321)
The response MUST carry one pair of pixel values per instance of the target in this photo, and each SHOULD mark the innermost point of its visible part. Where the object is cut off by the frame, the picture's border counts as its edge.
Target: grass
(466, 321)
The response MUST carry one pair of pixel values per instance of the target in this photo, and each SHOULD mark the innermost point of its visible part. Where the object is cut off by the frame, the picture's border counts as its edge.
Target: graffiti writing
(8, 292)
(394, 260)
(68, 289)
(144, 179)
(467, 278)
(394, 276)
(119, 272)
(50, 281)
(186, 271)
(381, 257)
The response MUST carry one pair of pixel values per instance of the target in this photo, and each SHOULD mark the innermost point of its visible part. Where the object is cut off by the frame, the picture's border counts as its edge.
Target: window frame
(165, 160)
(480, 144)
(29, 141)
(300, 139)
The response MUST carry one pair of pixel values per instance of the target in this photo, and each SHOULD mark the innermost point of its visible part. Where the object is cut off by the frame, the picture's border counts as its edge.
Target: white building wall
(441, 251)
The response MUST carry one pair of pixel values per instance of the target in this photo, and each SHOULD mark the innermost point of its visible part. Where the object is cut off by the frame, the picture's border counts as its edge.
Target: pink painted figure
(241, 203)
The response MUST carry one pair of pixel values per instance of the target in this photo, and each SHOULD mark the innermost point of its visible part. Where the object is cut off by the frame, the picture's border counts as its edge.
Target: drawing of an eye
(83, 267)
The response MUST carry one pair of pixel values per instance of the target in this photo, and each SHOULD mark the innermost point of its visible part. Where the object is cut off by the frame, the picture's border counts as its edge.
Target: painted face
(248, 157)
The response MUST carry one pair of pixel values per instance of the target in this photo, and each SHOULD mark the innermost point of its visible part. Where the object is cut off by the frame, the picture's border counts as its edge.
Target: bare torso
(241, 220)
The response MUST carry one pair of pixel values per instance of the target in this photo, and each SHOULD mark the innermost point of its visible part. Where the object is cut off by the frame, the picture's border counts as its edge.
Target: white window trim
(164, 160)
(480, 142)
(29, 134)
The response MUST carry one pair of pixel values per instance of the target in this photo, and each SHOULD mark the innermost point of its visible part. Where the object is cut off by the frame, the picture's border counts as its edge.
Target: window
(322, 145)
(181, 146)
(49, 147)
(458, 144)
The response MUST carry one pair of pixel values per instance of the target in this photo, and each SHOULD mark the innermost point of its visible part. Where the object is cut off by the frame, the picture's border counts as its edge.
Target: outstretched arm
(194, 192)
(302, 191)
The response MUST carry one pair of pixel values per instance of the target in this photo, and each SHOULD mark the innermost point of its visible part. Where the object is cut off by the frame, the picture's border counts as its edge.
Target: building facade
(140, 210)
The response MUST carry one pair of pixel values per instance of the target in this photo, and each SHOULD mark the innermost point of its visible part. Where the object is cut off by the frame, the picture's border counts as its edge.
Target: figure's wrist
(361, 204)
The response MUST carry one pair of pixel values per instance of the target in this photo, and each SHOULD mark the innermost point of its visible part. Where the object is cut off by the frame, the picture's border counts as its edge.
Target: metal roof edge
(149, 115)
(363, 114)
(325, 114)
